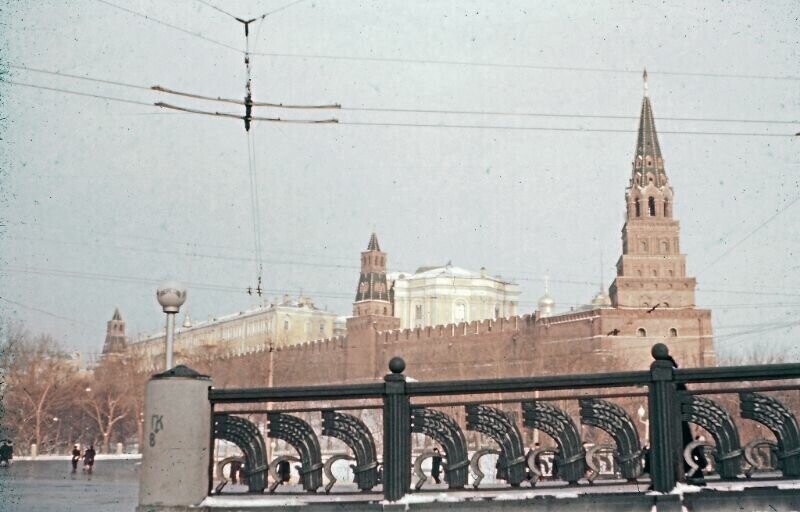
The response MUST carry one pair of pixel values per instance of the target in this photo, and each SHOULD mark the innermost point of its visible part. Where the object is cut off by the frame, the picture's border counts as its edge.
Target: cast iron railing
(409, 407)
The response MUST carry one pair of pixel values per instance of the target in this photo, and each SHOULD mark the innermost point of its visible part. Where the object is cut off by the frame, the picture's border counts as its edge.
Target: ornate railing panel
(669, 408)
(445, 431)
(358, 438)
(708, 414)
(299, 434)
(775, 416)
(246, 436)
(612, 419)
(496, 424)
(570, 459)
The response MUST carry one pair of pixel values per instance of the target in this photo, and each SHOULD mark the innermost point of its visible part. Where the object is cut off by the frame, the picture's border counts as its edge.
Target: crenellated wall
(595, 340)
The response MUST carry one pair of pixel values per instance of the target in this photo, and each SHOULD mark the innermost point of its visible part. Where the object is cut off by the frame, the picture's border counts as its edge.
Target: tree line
(50, 401)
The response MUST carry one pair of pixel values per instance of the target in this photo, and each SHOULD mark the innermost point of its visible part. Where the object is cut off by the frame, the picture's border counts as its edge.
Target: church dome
(601, 300)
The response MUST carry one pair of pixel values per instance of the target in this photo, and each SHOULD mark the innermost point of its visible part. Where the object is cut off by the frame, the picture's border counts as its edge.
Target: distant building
(281, 324)
(448, 294)
(116, 340)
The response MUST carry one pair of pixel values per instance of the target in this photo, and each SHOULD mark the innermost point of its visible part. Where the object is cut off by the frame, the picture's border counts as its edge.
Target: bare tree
(38, 376)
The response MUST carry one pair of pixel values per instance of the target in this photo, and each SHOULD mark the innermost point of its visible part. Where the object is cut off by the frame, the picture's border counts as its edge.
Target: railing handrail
(738, 373)
(375, 390)
(296, 393)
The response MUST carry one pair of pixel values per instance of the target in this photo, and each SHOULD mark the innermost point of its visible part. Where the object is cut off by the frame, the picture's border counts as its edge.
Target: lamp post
(641, 412)
(171, 296)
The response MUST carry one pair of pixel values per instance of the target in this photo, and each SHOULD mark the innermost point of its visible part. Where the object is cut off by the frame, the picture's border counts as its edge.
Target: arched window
(322, 328)
(384, 311)
(459, 312)
(654, 273)
(418, 315)
(651, 206)
(673, 332)
(643, 245)
(640, 332)
(664, 246)
(667, 208)
(638, 209)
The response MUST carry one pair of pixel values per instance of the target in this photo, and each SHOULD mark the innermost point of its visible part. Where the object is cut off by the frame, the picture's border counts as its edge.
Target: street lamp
(641, 412)
(171, 296)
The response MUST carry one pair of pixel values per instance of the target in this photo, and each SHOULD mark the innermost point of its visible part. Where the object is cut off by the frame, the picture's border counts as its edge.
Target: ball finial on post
(397, 365)
(660, 352)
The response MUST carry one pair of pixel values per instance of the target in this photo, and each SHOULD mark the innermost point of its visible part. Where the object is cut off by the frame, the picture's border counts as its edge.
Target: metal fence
(637, 426)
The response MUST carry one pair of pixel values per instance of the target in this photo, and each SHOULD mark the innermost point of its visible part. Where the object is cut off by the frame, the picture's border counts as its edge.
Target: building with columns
(449, 294)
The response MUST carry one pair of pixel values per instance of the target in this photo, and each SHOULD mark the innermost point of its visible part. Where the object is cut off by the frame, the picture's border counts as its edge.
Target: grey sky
(113, 189)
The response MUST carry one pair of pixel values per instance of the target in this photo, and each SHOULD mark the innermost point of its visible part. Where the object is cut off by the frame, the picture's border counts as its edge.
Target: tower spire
(651, 271)
(644, 79)
(372, 294)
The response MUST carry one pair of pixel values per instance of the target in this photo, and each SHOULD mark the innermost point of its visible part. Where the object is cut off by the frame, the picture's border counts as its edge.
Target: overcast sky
(103, 199)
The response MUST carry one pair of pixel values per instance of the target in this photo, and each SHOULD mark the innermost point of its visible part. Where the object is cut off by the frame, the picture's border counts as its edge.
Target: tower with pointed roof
(373, 304)
(116, 341)
(651, 271)
(372, 294)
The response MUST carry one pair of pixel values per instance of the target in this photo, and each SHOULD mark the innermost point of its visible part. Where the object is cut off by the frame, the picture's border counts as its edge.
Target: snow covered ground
(47, 485)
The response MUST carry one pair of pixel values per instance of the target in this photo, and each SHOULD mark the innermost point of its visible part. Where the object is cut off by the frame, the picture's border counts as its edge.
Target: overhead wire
(86, 94)
(750, 234)
(170, 25)
(158, 88)
(78, 77)
(445, 61)
(44, 312)
(522, 66)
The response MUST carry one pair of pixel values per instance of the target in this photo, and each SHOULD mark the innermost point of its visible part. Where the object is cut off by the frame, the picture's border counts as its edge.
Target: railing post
(664, 423)
(396, 433)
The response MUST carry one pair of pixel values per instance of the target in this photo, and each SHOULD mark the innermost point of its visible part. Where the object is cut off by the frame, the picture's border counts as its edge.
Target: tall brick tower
(116, 341)
(651, 271)
(372, 305)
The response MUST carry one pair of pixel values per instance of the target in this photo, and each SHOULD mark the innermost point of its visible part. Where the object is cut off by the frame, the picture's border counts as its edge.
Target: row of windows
(651, 207)
(460, 310)
(642, 332)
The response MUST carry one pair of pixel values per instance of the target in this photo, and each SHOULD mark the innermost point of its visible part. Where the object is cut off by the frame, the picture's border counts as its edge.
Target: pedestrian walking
(76, 456)
(6, 452)
(88, 459)
(436, 466)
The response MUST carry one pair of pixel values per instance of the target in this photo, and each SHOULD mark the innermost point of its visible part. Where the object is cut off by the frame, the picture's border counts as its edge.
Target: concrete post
(177, 441)
(34, 450)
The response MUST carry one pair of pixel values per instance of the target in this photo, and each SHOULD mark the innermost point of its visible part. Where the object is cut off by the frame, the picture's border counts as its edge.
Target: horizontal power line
(523, 66)
(79, 77)
(554, 129)
(450, 62)
(166, 90)
(394, 124)
(45, 312)
(91, 276)
(189, 254)
(77, 93)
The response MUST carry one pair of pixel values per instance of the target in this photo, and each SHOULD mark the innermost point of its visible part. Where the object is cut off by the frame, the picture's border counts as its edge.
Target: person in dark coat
(88, 459)
(6, 453)
(699, 457)
(236, 466)
(284, 471)
(646, 458)
(436, 466)
(76, 456)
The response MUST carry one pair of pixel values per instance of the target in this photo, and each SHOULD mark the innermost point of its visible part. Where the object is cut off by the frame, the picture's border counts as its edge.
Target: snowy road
(48, 486)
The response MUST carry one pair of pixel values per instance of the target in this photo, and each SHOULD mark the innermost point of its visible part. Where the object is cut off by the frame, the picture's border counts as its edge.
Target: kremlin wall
(651, 300)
